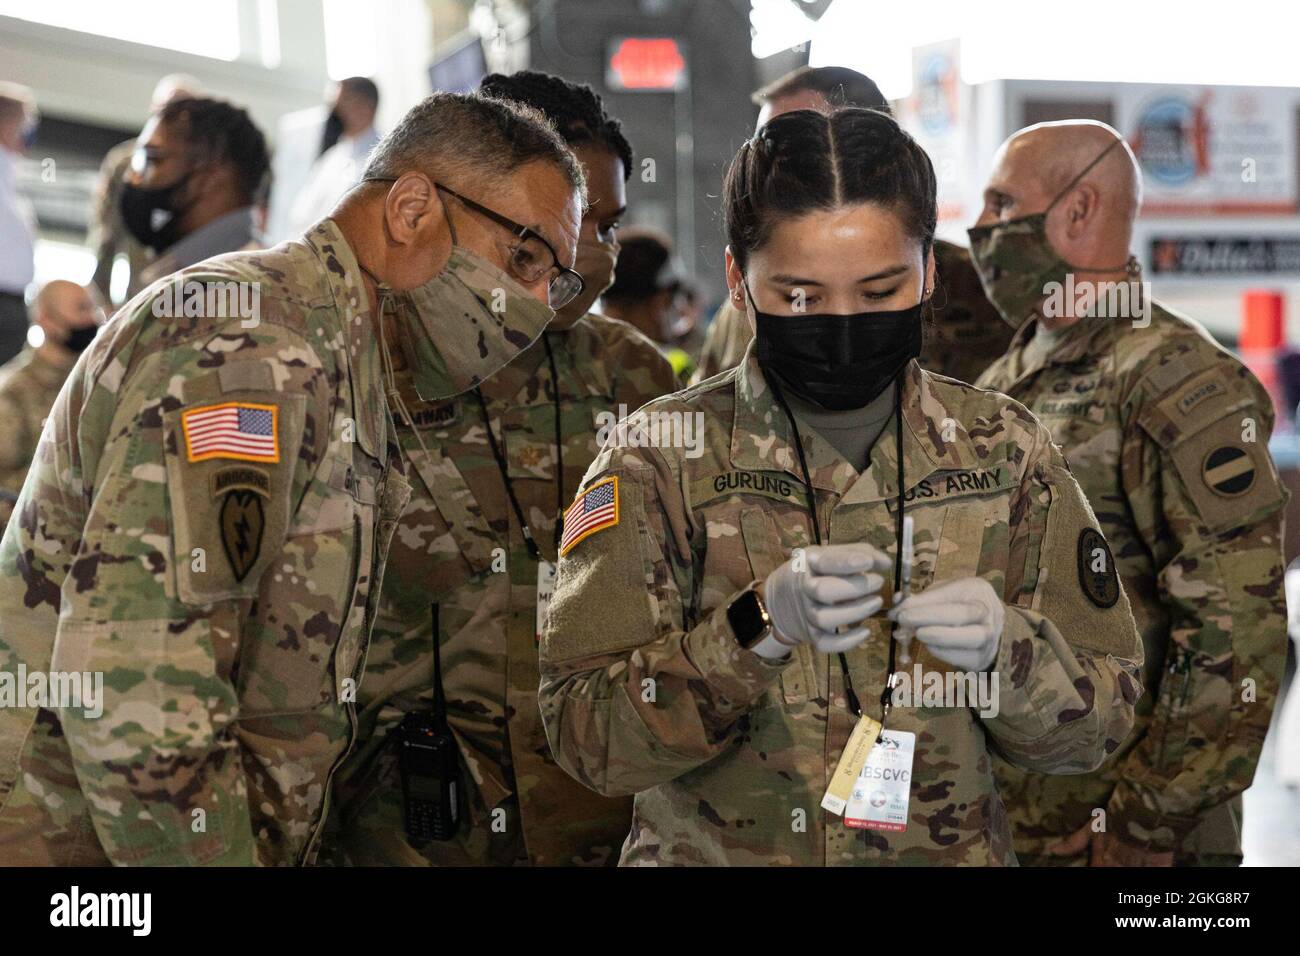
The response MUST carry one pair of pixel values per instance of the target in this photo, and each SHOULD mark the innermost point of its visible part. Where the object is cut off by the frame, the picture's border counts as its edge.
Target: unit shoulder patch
(1097, 574)
(242, 524)
(1228, 471)
(1227, 478)
(596, 509)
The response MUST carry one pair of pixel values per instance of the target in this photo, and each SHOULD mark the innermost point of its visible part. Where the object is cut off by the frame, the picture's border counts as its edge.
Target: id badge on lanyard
(882, 791)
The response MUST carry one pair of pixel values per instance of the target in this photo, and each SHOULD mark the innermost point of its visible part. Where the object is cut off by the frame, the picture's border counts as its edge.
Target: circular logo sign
(1166, 141)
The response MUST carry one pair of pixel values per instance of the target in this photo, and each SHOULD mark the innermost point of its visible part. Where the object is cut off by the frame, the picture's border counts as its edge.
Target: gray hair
(460, 134)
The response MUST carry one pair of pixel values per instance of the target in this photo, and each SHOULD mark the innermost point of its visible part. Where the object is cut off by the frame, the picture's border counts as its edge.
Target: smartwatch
(749, 619)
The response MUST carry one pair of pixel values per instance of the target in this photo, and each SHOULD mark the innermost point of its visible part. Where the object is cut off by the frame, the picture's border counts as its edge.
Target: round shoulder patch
(1097, 575)
(1228, 471)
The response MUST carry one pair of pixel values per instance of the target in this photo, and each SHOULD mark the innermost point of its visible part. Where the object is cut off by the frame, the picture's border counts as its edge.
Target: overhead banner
(1211, 149)
(1224, 256)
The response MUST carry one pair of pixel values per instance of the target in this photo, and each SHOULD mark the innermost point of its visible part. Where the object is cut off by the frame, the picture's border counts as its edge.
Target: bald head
(59, 309)
(1093, 172)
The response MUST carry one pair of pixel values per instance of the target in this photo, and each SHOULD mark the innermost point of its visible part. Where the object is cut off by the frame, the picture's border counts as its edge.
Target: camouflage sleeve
(178, 532)
(1070, 658)
(1209, 505)
(634, 691)
(17, 443)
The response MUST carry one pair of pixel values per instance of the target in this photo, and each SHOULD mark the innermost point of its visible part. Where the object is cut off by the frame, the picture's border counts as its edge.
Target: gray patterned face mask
(1016, 261)
(504, 316)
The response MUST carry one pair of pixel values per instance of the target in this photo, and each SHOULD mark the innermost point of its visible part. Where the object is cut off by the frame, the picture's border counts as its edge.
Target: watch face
(746, 619)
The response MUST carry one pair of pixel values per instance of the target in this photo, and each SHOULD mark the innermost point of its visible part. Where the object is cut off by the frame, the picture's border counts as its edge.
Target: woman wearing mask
(718, 642)
(478, 541)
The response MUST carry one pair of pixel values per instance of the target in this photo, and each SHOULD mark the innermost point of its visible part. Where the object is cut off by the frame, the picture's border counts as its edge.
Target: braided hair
(217, 132)
(575, 109)
(805, 160)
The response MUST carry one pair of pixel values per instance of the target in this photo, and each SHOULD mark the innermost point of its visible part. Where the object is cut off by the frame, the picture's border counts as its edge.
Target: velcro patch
(239, 430)
(594, 510)
(1228, 480)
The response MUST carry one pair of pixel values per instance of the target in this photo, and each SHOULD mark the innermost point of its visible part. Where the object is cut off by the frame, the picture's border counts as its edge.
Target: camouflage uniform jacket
(645, 689)
(460, 546)
(1152, 421)
(29, 383)
(965, 335)
(226, 599)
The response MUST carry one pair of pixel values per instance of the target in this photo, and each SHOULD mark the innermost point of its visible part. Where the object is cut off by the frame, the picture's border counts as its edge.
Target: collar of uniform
(925, 422)
(761, 438)
(352, 305)
(578, 363)
(1088, 336)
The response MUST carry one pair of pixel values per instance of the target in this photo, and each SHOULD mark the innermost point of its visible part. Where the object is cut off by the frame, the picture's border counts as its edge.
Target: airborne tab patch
(595, 510)
(237, 430)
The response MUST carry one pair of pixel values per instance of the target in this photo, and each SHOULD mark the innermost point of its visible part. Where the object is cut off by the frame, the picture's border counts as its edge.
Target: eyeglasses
(531, 256)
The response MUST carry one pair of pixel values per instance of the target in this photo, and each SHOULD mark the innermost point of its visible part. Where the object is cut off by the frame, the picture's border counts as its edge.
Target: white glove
(960, 621)
(836, 585)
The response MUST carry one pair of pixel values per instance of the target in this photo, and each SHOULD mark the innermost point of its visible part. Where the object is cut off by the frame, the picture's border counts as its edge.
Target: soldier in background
(195, 182)
(208, 517)
(646, 294)
(963, 331)
(108, 234)
(492, 472)
(725, 697)
(1167, 434)
(64, 320)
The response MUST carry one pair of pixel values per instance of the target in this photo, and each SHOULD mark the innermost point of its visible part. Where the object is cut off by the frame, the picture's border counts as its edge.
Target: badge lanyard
(851, 697)
(559, 461)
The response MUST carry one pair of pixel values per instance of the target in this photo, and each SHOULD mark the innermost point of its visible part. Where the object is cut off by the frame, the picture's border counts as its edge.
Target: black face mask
(150, 215)
(79, 340)
(837, 361)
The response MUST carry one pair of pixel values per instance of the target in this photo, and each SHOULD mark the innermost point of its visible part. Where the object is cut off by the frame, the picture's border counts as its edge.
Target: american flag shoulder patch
(595, 510)
(238, 430)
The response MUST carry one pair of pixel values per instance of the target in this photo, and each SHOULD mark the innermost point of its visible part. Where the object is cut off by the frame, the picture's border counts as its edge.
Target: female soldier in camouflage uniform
(714, 637)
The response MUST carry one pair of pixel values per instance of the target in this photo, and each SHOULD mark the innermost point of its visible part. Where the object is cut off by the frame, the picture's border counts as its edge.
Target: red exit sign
(646, 64)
